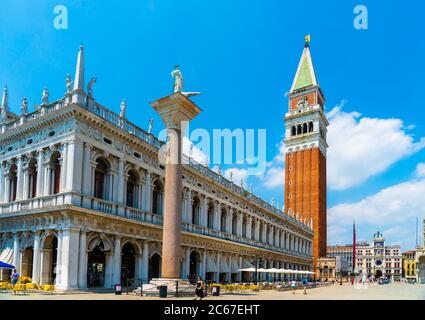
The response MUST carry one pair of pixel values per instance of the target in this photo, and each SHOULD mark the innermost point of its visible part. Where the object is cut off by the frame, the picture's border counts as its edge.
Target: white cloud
(361, 147)
(274, 176)
(196, 153)
(237, 175)
(420, 170)
(392, 210)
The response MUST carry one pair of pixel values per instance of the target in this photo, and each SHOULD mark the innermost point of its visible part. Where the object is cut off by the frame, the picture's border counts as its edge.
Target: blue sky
(242, 56)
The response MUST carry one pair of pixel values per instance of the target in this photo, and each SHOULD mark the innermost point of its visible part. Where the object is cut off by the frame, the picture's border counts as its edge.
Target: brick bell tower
(306, 146)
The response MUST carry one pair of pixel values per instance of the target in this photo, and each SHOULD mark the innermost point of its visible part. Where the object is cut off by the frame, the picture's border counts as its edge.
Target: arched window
(293, 131)
(299, 129)
(234, 224)
(100, 179)
(210, 216)
(223, 220)
(305, 128)
(55, 168)
(310, 127)
(32, 179)
(196, 207)
(131, 199)
(157, 197)
(13, 182)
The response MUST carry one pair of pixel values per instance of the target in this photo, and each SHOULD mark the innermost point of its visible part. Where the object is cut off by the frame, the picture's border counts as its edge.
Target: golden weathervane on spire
(307, 40)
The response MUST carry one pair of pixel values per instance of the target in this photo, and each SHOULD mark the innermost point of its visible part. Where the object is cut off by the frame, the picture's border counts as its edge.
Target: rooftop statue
(45, 96)
(68, 83)
(90, 86)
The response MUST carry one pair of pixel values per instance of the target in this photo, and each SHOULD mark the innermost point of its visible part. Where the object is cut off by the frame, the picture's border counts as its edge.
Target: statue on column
(45, 96)
(178, 83)
(178, 79)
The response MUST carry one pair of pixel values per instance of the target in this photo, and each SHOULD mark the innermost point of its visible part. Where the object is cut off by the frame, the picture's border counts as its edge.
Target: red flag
(354, 245)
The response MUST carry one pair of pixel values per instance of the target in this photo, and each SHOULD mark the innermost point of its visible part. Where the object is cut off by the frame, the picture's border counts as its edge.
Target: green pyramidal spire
(305, 76)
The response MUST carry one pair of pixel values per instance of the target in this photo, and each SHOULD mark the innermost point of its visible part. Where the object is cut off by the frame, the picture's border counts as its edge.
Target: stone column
(217, 276)
(64, 159)
(74, 166)
(204, 265)
(117, 261)
(58, 279)
(229, 220)
(187, 264)
(217, 223)
(2, 183)
(176, 111)
(36, 258)
(40, 173)
(69, 270)
(257, 230)
(20, 178)
(145, 262)
(121, 183)
(240, 222)
(16, 253)
(82, 263)
(147, 193)
(204, 212)
(109, 264)
(88, 171)
(248, 228)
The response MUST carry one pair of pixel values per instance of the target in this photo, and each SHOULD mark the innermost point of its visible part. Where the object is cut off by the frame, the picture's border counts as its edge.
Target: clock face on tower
(378, 262)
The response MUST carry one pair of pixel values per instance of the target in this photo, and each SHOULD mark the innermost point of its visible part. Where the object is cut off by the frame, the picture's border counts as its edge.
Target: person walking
(305, 283)
(199, 290)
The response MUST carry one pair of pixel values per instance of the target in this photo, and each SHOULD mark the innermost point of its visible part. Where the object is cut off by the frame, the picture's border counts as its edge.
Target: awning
(7, 255)
(235, 266)
(224, 267)
(247, 270)
(6, 266)
(211, 265)
(247, 264)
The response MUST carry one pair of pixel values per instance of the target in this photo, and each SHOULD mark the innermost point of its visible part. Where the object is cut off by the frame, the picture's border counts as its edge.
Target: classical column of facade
(204, 211)
(186, 268)
(70, 249)
(229, 213)
(16, 253)
(239, 224)
(117, 261)
(109, 269)
(264, 239)
(74, 166)
(40, 173)
(217, 216)
(204, 265)
(64, 165)
(147, 193)
(36, 258)
(82, 261)
(89, 168)
(2, 183)
(20, 177)
(145, 261)
(217, 276)
(257, 229)
(119, 195)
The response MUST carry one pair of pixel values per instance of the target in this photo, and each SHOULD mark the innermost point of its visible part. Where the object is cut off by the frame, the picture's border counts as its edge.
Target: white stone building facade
(81, 193)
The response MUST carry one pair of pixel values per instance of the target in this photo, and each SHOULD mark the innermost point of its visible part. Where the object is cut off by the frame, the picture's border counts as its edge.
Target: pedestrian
(15, 277)
(293, 285)
(305, 283)
(199, 290)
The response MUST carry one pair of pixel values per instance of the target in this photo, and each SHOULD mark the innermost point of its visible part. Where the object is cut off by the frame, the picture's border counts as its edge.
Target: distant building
(332, 268)
(420, 260)
(345, 252)
(409, 265)
(377, 260)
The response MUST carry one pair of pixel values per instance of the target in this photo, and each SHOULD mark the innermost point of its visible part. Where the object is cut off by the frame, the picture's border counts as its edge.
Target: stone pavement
(336, 292)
